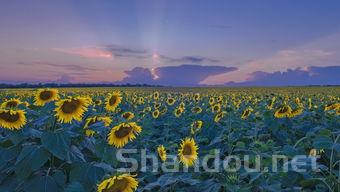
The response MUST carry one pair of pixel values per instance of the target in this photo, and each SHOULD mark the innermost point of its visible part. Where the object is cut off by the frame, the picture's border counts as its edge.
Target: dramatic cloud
(67, 67)
(183, 75)
(119, 51)
(293, 77)
(116, 51)
(186, 59)
(88, 52)
(106, 51)
(291, 58)
(138, 75)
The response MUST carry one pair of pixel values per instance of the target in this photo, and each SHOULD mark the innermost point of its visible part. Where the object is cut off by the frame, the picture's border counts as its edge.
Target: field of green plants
(56, 140)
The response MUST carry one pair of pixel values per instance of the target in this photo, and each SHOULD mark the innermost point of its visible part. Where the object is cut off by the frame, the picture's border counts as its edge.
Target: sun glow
(154, 74)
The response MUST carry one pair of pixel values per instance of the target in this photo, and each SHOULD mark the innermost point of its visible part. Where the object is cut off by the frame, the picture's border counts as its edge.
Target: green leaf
(74, 187)
(208, 185)
(106, 152)
(60, 178)
(309, 182)
(336, 147)
(8, 154)
(76, 155)
(322, 142)
(31, 158)
(57, 143)
(87, 174)
(42, 184)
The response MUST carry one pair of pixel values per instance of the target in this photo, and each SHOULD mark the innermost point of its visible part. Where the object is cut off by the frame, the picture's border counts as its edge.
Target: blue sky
(102, 40)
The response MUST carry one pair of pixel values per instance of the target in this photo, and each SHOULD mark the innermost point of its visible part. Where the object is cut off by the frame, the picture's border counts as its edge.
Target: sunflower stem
(54, 123)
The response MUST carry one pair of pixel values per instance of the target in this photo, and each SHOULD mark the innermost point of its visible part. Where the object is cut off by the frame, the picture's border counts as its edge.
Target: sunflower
(182, 105)
(89, 99)
(107, 120)
(310, 105)
(333, 106)
(98, 102)
(196, 126)
(283, 111)
(219, 99)
(91, 120)
(296, 112)
(219, 116)
(128, 115)
(156, 105)
(156, 95)
(121, 183)
(196, 110)
(246, 113)
(178, 112)
(188, 152)
(298, 101)
(44, 96)
(26, 104)
(147, 109)
(11, 103)
(71, 108)
(163, 110)
(155, 113)
(161, 152)
(12, 119)
(211, 101)
(315, 152)
(121, 134)
(271, 104)
(216, 108)
(197, 97)
(112, 101)
(140, 101)
(170, 101)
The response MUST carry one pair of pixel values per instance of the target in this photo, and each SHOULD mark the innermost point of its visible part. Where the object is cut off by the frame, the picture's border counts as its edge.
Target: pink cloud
(88, 52)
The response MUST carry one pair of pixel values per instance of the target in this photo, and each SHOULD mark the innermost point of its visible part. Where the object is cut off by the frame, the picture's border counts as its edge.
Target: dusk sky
(157, 42)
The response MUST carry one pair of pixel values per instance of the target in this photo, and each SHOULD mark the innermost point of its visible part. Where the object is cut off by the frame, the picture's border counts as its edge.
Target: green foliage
(48, 156)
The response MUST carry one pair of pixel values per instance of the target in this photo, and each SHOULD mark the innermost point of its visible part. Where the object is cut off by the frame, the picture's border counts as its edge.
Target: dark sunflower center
(70, 106)
(46, 95)
(118, 186)
(113, 100)
(162, 153)
(246, 113)
(11, 104)
(7, 116)
(283, 110)
(126, 115)
(123, 131)
(187, 150)
(178, 112)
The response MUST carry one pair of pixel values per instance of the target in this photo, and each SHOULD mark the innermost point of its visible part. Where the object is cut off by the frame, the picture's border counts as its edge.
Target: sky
(174, 42)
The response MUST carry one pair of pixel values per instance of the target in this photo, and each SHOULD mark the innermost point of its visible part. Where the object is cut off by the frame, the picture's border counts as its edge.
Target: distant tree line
(56, 85)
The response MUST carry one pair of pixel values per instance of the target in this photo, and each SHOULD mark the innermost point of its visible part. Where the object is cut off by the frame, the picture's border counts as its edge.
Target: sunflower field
(67, 139)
